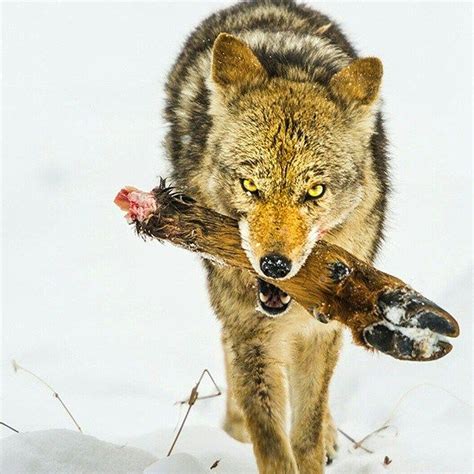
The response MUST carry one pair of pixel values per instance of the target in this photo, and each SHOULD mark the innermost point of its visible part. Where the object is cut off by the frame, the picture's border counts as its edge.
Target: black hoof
(406, 343)
(407, 308)
(389, 341)
(435, 322)
(413, 327)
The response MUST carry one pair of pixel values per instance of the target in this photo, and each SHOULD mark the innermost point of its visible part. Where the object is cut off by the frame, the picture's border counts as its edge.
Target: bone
(381, 311)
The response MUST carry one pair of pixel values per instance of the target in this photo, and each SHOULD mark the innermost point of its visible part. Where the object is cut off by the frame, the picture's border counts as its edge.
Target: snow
(179, 464)
(122, 328)
(54, 451)
(395, 314)
(61, 451)
(425, 340)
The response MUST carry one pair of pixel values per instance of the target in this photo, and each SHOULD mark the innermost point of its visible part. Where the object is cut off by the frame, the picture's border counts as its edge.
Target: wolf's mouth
(271, 299)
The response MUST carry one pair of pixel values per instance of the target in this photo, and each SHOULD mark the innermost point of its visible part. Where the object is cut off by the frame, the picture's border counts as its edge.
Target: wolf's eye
(249, 185)
(315, 192)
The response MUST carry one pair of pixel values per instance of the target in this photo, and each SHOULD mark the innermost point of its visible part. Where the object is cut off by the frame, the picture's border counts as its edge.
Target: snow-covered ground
(122, 329)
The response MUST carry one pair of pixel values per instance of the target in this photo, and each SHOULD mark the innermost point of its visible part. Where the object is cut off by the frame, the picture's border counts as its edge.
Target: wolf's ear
(359, 82)
(235, 64)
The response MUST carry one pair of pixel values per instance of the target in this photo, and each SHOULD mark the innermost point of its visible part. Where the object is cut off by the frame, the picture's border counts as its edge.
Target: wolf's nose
(275, 266)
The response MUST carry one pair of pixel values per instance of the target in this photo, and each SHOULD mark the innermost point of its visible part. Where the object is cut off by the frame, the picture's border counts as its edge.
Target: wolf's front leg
(257, 386)
(261, 390)
(313, 434)
(234, 423)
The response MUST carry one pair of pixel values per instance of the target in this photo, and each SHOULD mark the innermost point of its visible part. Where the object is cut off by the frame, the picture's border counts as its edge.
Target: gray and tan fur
(281, 99)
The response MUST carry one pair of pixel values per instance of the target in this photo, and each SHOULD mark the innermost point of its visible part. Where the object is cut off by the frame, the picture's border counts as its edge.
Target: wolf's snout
(275, 266)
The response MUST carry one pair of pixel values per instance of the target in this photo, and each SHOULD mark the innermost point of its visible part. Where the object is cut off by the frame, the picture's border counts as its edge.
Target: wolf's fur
(280, 99)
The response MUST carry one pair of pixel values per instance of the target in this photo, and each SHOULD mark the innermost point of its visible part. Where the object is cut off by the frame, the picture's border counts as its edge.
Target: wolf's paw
(330, 441)
(237, 429)
(413, 327)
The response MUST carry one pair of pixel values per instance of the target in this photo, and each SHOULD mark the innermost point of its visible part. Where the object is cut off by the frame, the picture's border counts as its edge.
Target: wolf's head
(290, 155)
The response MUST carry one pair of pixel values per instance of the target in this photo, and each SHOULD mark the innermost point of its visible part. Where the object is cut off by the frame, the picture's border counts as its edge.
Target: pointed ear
(359, 82)
(234, 63)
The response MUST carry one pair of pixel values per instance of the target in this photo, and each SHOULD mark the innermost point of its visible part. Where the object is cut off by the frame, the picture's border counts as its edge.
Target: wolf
(275, 121)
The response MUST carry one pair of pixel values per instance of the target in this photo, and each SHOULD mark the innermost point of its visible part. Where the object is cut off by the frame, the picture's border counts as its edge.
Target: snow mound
(64, 451)
(206, 444)
(180, 463)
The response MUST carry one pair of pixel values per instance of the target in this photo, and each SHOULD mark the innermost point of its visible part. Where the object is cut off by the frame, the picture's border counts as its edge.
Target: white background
(122, 328)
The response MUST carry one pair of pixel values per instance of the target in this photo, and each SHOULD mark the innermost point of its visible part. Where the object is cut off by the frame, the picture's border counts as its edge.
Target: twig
(192, 401)
(205, 397)
(350, 438)
(193, 398)
(17, 367)
(358, 444)
(9, 427)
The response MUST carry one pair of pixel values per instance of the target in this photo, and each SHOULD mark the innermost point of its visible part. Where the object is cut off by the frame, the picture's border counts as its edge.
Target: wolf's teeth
(263, 298)
(285, 299)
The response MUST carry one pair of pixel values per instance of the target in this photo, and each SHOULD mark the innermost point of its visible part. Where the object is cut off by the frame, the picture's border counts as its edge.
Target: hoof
(413, 327)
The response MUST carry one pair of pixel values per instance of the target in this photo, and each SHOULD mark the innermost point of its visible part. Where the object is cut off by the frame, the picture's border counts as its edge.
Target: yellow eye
(249, 185)
(316, 191)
